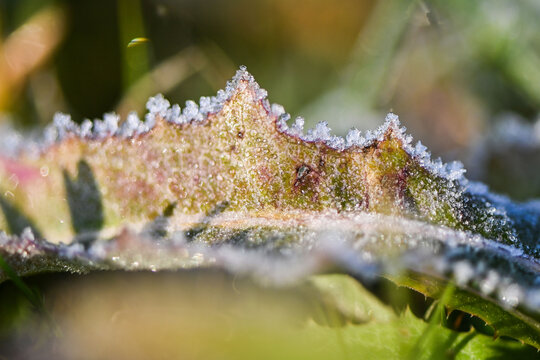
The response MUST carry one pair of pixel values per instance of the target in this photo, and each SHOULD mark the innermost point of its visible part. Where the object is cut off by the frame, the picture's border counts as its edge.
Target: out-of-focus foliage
(212, 316)
(93, 69)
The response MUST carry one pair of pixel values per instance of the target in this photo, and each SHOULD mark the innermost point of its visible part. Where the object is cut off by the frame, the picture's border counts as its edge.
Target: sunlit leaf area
(269, 179)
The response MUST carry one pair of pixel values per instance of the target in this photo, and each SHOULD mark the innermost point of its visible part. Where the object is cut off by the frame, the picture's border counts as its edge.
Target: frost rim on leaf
(63, 126)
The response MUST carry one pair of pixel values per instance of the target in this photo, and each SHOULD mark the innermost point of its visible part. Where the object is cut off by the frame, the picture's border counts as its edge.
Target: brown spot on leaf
(321, 163)
(305, 176)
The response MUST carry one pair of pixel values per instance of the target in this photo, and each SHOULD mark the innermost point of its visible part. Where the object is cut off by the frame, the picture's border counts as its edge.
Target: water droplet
(44, 170)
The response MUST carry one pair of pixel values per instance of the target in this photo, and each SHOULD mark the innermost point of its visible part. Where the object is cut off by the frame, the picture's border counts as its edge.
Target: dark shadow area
(157, 228)
(398, 297)
(504, 353)
(16, 220)
(85, 204)
(192, 233)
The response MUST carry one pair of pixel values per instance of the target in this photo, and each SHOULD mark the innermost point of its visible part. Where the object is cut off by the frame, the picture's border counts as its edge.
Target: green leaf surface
(514, 323)
(388, 335)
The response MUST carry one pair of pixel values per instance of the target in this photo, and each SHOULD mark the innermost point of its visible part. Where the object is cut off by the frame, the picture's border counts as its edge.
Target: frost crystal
(354, 138)
(320, 133)
(277, 110)
(28, 234)
(174, 114)
(191, 111)
(109, 125)
(86, 128)
(297, 129)
(158, 105)
(11, 142)
(454, 170)
(221, 97)
(131, 126)
(420, 151)
(63, 125)
(336, 142)
(206, 105)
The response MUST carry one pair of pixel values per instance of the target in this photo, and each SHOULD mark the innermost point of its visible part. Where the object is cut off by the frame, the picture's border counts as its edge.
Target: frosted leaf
(281, 124)
(463, 272)
(370, 137)
(246, 193)
(321, 132)
(72, 251)
(157, 106)
(287, 117)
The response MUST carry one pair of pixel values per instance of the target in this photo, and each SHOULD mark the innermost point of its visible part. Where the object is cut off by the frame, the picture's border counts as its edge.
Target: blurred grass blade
(32, 296)
(135, 59)
(27, 48)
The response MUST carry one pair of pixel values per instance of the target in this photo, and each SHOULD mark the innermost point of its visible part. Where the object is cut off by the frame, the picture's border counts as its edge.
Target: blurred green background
(448, 68)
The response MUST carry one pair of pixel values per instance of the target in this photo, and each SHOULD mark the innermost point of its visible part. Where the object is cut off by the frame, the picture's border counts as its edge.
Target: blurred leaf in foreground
(212, 316)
